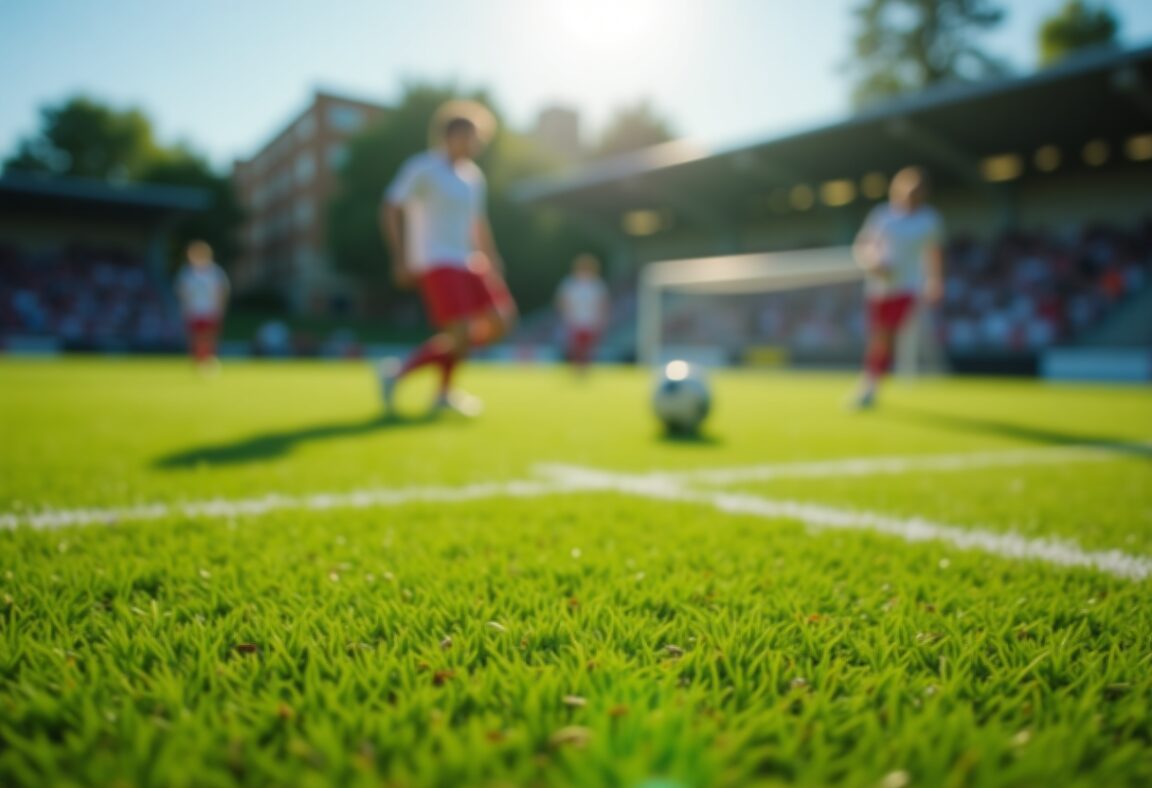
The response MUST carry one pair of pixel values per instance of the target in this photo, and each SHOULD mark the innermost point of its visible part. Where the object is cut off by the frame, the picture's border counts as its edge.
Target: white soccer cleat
(864, 399)
(460, 403)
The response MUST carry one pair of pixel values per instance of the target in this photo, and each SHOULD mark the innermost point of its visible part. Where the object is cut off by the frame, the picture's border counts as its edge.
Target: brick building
(285, 189)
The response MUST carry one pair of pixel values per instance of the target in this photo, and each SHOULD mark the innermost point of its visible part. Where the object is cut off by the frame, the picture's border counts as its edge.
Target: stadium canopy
(73, 210)
(26, 193)
(955, 130)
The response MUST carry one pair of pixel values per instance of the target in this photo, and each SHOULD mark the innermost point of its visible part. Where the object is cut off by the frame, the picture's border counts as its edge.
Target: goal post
(759, 273)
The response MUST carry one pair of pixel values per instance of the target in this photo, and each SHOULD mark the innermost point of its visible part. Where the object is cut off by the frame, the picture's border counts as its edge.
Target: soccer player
(202, 287)
(436, 225)
(899, 248)
(583, 303)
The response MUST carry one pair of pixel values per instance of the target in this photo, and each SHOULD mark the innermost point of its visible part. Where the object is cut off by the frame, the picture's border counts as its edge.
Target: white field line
(879, 466)
(671, 487)
(219, 508)
(1002, 544)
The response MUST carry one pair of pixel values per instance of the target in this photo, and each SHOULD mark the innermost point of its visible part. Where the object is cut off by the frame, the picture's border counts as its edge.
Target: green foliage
(83, 137)
(1076, 26)
(584, 639)
(907, 45)
(537, 245)
(632, 128)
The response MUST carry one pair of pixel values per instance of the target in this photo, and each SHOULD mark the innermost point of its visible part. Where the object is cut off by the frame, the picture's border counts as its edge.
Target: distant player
(583, 303)
(899, 248)
(436, 225)
(203, 288)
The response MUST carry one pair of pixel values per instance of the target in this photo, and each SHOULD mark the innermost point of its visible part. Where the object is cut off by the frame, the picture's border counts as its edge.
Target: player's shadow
(270, 445)
(1024, 432)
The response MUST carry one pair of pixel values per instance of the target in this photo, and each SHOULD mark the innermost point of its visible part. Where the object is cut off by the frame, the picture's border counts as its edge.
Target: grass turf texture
(587, 638)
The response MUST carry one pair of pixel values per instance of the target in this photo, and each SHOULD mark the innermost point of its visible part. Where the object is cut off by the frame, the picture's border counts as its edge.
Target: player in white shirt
(436, 225)
(900, 249)
(203, 288)
(582, 300)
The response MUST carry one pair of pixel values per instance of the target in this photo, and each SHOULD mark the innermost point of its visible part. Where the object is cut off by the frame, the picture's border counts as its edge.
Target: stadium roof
(1100, 95)
(40, 193)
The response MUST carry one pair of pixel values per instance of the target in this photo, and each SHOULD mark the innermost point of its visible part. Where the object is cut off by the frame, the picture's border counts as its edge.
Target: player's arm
(486, 243)
(392, 227)
(866, 247)
(933, 261)
(933, 273)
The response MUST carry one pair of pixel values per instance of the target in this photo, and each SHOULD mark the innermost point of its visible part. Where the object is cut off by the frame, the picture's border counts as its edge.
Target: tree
(907, 45)
(1076, 26)
(83, 137)
(631, 128)
(536, 245)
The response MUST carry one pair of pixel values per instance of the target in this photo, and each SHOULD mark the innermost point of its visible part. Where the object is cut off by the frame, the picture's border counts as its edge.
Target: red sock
(447, 368)
(431, 352)
(878, 362)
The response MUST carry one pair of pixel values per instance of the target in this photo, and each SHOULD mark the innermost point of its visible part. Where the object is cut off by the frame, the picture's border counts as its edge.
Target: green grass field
(253, 579)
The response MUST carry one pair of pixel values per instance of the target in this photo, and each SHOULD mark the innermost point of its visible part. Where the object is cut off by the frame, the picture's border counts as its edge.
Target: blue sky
(224, 74)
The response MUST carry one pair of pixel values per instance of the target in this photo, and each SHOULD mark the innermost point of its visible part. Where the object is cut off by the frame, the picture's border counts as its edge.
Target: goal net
(794, 308)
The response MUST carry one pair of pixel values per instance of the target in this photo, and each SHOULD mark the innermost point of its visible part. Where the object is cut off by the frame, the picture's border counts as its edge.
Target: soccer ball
(681, 399)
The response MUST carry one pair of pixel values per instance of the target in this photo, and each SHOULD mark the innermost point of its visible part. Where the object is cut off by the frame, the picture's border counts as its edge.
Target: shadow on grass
(689, 439)
(270, 445)
(1023, 432)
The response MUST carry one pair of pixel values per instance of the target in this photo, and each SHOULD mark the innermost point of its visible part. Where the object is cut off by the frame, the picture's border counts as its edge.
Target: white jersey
(202, 290)
(442, 201)
(901, 240)
(584, 301)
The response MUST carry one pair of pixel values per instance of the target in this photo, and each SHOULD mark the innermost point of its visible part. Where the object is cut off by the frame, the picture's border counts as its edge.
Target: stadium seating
(87, 298)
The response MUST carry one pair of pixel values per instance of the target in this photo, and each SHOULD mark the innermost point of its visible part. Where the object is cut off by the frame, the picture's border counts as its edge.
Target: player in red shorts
(899, 248)
(582, 300)
(203, 289)
(436, 225)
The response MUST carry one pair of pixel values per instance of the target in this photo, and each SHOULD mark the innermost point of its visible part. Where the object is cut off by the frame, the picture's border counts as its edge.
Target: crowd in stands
(1027, 291)
(86, 297)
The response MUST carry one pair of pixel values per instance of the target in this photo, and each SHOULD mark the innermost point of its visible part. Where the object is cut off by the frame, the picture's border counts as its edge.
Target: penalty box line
(1002, 544)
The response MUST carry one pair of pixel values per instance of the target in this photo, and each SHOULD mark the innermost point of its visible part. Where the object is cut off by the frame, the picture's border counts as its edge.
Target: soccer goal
(801, 307)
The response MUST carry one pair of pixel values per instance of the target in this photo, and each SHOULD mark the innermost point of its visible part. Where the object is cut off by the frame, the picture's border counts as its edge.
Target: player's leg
(444, 301)
(492, 315)
(211, 338)
(885, 318)
(496, 308)
(581, 348)
(196, 339)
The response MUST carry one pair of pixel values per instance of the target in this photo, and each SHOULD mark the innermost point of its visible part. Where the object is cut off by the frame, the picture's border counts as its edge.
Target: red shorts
(888, 313)
(198, 326)
(581, 342)
(453, 294)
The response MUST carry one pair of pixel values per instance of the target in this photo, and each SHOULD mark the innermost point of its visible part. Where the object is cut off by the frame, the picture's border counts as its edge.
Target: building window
(305, 211)
(337, 155)
(345, 118)
(305, 168)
